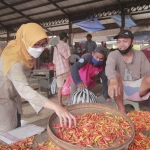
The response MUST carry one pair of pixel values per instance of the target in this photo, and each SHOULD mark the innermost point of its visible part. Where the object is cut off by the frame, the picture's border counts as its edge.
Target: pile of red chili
(141, 120)
(96, 130)
(29, 144)
(22, 145)
(47, 146)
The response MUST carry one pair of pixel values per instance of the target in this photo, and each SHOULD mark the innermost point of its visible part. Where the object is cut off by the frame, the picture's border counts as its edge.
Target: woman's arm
(19, 80)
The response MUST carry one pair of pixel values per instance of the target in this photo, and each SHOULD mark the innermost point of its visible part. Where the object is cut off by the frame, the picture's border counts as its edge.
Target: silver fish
(93, 98)
(79, 97)
(75, 97)
(87, 93)
(83, 98)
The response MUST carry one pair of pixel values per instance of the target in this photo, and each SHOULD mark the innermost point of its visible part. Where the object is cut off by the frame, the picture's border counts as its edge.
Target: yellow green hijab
(16, 50)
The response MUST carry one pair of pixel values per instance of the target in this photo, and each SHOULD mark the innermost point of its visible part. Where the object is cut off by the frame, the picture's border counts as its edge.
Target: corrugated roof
(93, 5)
(122, 1)
(46, 15)
(5, 11)
(56, 10)
(17, 20)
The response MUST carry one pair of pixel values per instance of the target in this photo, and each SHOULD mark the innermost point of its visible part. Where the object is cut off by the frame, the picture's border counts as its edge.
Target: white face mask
(35, 52)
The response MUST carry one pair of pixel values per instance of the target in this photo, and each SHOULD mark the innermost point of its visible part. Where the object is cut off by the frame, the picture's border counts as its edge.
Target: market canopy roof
(54, 15)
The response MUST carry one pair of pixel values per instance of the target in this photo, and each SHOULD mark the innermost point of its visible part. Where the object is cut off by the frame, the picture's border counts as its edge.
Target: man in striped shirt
(61, 60)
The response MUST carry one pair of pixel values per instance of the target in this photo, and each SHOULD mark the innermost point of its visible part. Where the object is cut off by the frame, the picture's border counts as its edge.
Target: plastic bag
(53, 86)
(49, 66)
(66, 89)
(83, 96)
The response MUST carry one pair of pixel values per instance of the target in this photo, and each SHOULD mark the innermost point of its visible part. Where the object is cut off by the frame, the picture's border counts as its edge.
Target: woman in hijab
(15, 61)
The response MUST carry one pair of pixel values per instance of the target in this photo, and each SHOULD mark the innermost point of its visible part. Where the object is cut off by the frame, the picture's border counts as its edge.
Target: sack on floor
(53, 86)
(83, 96)
(66, 89)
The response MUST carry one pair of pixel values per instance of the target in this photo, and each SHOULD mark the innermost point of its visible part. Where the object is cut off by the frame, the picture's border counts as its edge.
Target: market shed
(58, 15)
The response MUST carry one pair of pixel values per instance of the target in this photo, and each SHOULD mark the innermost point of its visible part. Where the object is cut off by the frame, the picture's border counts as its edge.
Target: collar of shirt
(132, 58)
(61, 41)
(90, 41)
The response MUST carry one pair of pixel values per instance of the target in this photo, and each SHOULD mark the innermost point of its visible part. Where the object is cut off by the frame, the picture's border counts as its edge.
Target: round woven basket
(82, 109)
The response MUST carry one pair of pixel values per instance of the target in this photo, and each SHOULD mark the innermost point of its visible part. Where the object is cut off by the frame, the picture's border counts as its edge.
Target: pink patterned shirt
(61, 53)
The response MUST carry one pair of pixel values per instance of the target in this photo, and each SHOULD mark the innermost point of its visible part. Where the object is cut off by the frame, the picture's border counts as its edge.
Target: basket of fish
(83, 96)
(98, 127)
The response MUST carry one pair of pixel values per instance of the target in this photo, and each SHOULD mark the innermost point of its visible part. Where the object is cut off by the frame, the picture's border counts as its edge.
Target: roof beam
(19, 12)
(119, 3)
(42, 22)
(11, 19)
(3, 25)
(14, 9)
(84, 14)
(17, 3)
(140, 22)
(43, 12)
(122, 15)
(100, 14)
(61, 9)
(84, 3)
(41, 5)
(65, 7)
(26, 1)
(32, 7)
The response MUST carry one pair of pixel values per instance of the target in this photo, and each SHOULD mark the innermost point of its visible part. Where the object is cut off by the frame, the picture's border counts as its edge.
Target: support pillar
(122, 19)
(8, 36)
(70, 34)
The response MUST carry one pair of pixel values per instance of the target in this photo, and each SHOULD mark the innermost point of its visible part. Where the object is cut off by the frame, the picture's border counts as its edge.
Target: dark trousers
(104, 84)
(18, 120)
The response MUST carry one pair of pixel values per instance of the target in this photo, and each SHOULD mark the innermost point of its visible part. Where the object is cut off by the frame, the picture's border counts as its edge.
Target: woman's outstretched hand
(64, 115)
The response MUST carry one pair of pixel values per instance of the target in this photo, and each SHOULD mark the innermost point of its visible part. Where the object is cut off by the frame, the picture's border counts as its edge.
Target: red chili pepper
(96, 129)
(104, 126)
(141, 120)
